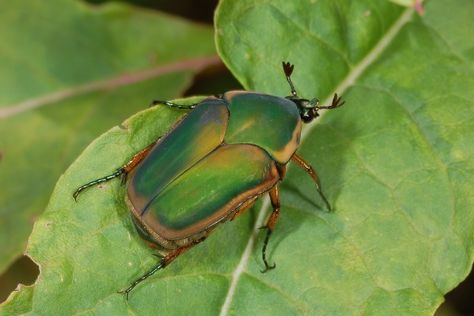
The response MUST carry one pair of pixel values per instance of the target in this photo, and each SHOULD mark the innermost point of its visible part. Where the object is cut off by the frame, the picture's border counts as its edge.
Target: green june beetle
(212, 165)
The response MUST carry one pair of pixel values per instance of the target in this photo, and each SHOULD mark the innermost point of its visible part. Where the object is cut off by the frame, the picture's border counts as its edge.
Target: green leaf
(70, 71)
(395, 162)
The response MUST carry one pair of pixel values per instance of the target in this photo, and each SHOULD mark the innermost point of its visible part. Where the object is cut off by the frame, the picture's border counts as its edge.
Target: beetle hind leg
(271, 222)
(163, 263)
(160, 265)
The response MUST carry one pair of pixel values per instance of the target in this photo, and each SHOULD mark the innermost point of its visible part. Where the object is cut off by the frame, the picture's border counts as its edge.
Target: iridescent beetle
(212, 165)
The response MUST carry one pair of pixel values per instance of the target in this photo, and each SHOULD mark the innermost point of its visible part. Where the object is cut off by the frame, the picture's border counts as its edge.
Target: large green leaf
(396, 163)
(70, 71)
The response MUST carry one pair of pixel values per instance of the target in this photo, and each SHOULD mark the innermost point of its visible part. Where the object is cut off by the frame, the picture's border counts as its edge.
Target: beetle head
(308, 108)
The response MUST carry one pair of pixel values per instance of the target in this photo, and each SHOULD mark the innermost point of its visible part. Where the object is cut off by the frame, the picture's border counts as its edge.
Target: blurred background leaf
(70, 70)
(395, 162)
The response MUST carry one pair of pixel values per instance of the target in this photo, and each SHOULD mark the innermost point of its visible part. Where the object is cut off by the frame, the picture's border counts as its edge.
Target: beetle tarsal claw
(325, 200)
(125, 292)
(268, 268)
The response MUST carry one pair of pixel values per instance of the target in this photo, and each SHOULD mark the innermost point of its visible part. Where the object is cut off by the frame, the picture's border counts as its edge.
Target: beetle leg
(310, 170)
(243, 208)
(272, 220)
(138, 157)
(174, 105)
(120, 172)
(152, 271)
(163, 263)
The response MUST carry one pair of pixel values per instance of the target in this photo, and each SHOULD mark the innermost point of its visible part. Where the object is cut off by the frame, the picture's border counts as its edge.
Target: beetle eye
(307, 116)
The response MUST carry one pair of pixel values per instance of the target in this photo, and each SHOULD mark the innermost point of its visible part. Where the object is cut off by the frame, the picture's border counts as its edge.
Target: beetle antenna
(336, 102)
(288, 69)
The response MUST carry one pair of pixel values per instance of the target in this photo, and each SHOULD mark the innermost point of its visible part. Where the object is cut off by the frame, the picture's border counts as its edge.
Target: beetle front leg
(174, 105)
(181, 106)
(120, 172)
(272, 220)
(310, 170)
